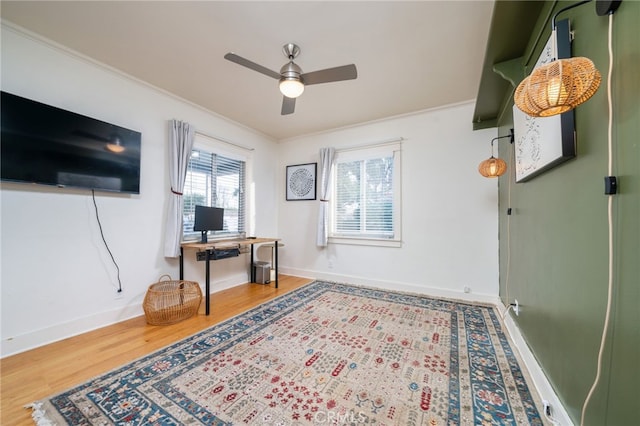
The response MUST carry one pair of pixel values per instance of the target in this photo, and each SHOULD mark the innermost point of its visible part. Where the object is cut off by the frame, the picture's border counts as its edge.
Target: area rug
(326, 353)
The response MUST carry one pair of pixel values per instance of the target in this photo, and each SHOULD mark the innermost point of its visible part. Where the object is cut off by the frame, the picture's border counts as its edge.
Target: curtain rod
(228, 142)
(372, 145)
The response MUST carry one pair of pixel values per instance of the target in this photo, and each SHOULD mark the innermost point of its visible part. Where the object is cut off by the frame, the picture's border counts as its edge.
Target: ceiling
(410, 56)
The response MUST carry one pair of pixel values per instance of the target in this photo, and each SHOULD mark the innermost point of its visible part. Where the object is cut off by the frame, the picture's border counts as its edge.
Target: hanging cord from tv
(95, 205)
(607, 315)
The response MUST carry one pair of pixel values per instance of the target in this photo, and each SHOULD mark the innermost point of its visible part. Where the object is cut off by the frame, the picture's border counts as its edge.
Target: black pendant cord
(571, 6)
(95, 205)
(603, 7)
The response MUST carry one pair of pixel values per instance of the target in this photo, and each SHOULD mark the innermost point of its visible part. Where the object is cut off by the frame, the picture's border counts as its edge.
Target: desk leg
(181, 263)
(207, 275)
(252, 270)
(275, 261)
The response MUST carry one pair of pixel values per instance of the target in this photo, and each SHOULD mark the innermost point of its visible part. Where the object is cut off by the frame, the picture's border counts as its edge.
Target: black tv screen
(47, 145)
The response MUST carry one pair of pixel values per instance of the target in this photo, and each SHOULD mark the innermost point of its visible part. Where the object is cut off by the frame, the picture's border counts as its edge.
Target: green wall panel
(557, 267)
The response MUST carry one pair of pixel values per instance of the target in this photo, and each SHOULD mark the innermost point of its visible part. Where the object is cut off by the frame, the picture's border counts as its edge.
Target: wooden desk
(210, 247)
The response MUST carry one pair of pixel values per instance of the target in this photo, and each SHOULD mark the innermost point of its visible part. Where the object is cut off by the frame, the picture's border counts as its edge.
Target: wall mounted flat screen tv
(46, 145)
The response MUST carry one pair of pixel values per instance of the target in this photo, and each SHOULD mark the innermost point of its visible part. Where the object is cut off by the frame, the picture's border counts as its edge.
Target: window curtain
(181, 136)
(327, 156)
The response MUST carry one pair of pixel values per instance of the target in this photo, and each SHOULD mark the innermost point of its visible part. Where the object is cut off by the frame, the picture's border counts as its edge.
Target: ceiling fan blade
(251, 65)
(288, 105)
(345, 72)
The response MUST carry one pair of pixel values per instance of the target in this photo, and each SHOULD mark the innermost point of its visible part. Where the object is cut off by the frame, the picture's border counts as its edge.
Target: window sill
(363, 241)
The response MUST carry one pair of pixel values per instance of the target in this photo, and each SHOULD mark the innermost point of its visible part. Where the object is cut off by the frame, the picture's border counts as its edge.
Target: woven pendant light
(557, 87)
(492, 167)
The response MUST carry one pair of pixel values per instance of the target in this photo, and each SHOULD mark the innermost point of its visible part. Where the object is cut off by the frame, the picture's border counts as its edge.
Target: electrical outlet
(516, 308)
(547, 407)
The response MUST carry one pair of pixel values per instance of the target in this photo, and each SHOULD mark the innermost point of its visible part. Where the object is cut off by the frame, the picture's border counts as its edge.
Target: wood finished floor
(50, 369)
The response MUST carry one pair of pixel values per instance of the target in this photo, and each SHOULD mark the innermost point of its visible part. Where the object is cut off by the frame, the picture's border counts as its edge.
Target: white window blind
(215, 180)
(366, 202)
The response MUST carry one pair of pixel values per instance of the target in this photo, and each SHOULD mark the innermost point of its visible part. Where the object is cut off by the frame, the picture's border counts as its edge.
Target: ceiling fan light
(557, 87)
(291, 87)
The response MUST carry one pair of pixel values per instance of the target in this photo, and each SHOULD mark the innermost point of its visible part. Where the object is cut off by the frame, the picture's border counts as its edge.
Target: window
(366, 195)
(215, 180)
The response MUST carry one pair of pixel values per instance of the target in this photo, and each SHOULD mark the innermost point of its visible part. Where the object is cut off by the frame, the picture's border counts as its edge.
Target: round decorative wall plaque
(301, 182)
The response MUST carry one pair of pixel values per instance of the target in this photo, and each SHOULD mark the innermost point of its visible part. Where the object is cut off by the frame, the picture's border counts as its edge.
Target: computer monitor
(208, 219)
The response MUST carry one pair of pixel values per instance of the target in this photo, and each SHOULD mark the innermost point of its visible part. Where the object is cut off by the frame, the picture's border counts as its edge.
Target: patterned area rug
(323, 354)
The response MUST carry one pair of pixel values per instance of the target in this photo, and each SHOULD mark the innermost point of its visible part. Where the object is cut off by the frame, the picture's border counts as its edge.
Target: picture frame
(301, 182)
(542, 143)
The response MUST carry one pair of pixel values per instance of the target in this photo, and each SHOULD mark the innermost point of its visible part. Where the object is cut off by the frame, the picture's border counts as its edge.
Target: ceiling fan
(292, 80)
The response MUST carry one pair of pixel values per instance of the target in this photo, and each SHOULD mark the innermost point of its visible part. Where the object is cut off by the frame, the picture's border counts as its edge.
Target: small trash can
(262, 272)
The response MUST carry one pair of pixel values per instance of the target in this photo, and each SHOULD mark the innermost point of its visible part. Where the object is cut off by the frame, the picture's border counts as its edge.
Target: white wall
(57, 278)
(449, 211)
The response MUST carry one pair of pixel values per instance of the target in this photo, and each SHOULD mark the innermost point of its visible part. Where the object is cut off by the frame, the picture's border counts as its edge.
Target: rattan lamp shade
(557, 87)
(492, 167)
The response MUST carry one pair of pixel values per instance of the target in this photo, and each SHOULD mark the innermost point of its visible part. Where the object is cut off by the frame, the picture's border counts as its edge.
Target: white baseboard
(24, 342)
(44, 336)
(540, 381)
(427, 290)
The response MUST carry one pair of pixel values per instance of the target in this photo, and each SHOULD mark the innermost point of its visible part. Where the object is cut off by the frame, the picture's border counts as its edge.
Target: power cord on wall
(508, 273)
(610, 222)
(95, 205)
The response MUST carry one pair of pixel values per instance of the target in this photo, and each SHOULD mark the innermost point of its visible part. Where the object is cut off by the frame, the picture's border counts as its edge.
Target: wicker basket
(169, 301)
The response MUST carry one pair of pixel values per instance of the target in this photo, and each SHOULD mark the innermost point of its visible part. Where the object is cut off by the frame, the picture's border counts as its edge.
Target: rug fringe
(39, 415)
